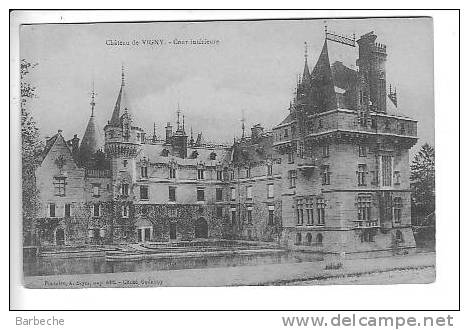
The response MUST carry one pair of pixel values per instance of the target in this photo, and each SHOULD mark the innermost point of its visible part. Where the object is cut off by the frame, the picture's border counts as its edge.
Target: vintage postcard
(221, 153)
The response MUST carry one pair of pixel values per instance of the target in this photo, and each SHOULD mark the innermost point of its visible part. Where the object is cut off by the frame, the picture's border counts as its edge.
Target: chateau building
(333, 176)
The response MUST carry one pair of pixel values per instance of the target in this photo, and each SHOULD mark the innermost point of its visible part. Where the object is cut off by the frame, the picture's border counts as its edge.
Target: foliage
(31, 148)
(422, 179)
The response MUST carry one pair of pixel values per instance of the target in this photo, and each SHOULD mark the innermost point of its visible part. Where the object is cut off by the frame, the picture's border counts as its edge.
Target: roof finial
(93, 94)
(178, 112)
(242, 123)
(306, 51)
(122, 75)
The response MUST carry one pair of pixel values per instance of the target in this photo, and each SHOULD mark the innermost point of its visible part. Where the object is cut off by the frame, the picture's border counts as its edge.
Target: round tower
(122, 143)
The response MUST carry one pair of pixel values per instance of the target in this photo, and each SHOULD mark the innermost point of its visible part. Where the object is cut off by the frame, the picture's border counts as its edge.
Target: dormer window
(172, 173)
(200, 174)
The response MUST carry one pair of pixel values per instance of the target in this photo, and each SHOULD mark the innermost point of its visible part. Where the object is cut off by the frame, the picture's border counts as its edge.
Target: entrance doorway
(147, 234)
(172, 231)
(201, 228)
(59, 237)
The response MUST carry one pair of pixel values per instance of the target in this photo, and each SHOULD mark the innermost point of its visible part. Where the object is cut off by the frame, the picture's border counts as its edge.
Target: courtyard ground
(417, 268)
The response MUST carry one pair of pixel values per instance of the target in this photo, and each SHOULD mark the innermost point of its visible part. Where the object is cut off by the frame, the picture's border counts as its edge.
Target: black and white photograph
(228, 153)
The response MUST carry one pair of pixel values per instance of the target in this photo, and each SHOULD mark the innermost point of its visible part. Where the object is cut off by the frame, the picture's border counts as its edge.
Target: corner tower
(122, 143)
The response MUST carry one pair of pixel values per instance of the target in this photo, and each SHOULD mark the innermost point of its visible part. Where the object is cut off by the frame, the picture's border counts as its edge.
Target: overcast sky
(252, 68)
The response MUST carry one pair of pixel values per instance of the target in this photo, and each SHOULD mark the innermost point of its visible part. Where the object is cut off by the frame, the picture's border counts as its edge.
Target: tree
(422, 177)
(31, 148)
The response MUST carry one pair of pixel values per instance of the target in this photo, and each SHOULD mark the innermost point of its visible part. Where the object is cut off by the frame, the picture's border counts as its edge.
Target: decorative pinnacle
(306, 51)
(242, 123)
(92, 103)
(178, 112)
(122, 75)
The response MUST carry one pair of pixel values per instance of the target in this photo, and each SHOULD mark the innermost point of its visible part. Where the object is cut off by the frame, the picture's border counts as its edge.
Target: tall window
(362, 151)
(172, 194)
(321, 209)
(397, 177)
(309, 212)
(125, 211)
(270, 221)
(361, 174)
(172, 173)
(249, 192)
(59, 186)
(292, 178)
(200, 174)
(219, 211)
(233, 216)
(125, 162)
(96, 209)
(200, 194)
(249, 215)
(219, 175)
(52, 210)
(68, 210)
(325, 150)
(386, 170)
(233, 193)
(301, 150)
(364, 207)
(144, 172)
(248, 172)
(299, 213)
(397, 209)
(144, 192)
(269, 169)
(270, 190)
(326, 175)
(219, 194)
(291, 156)
(285, 133)
(125, 189)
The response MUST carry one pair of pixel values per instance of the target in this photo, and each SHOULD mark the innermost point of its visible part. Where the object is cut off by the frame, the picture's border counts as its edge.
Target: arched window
(319, 239)
(309, 238)
(298, 238)
(165, 152)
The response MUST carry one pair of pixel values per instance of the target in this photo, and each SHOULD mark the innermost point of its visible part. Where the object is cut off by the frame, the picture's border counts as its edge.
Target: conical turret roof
(91, 139)
(121, 106)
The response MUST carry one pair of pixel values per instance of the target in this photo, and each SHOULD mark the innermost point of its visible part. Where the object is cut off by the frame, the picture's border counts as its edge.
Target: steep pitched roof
(120, 107)
(91, 141)
(322, 85)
